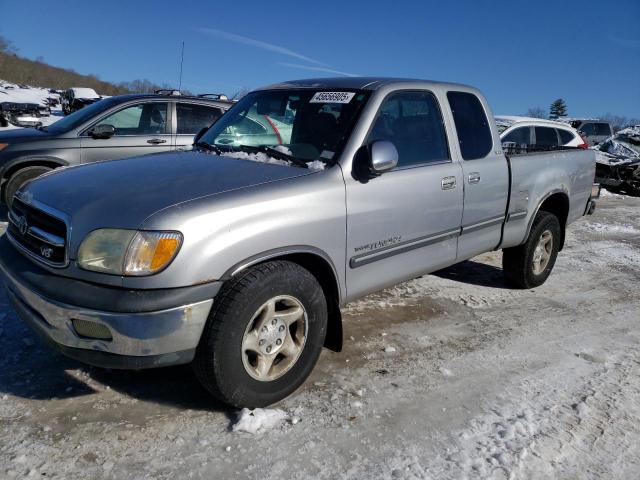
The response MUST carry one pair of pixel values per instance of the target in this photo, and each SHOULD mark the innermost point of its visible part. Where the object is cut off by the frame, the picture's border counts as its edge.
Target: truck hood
(123, 193)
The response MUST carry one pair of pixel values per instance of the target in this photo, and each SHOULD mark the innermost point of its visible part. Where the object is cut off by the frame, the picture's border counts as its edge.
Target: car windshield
(296, 126)
(78, 117)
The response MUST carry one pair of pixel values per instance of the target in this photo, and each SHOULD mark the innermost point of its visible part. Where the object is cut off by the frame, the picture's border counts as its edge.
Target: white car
(526, 133)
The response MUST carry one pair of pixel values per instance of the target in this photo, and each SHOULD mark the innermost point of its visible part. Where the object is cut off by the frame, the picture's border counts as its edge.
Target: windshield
(78, 117)
(306, 125)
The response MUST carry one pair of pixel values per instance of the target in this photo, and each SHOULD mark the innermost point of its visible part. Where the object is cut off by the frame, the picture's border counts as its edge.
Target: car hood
(123, 193)
(19, 135)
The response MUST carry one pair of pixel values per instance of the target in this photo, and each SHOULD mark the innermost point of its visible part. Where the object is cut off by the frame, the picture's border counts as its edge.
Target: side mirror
(383, 157)
(102, 131)
(199, 135)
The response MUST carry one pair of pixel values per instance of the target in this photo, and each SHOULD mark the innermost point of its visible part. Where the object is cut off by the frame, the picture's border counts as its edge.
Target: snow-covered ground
(451, 375)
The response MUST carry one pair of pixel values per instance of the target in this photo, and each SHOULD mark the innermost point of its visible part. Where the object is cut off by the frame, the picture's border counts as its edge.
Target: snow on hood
(265, 158)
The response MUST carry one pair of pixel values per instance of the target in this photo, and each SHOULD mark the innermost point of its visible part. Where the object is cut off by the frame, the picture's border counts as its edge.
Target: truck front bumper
(105, 326)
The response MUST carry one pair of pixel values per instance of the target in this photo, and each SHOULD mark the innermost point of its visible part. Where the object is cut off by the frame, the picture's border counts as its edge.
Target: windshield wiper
(209, 147)
(273, 152)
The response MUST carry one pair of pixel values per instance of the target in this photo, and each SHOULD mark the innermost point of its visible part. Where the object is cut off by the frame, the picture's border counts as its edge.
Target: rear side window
(546, 137)
(472, 125)
(565, 136)
(412, 121)
(519, 136)
(192, 118)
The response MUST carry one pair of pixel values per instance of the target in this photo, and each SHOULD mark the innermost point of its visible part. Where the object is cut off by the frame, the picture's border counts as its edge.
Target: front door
(139, 130)
(486, 176)
(405, 222)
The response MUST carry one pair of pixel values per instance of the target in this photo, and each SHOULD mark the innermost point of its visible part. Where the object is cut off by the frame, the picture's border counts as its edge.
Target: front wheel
(530, 264)
(264, 335)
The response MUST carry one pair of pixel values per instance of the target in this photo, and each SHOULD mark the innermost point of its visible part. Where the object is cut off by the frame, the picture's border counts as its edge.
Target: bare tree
(6, 46)
(537, 112)
(618, 122)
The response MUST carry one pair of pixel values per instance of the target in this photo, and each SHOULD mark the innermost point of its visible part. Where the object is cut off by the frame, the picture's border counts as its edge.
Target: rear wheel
(530, 264)
(19, 178)
(264, 335)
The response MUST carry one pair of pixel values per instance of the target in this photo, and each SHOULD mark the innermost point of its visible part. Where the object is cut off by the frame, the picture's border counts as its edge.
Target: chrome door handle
(156, 141)
(474, 177)
(448, 183)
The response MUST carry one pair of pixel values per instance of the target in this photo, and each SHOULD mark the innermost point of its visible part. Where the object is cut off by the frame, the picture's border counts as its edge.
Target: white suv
(536, 133)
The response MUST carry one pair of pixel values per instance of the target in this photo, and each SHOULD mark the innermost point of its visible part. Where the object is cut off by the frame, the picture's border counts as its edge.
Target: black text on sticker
(332, 97)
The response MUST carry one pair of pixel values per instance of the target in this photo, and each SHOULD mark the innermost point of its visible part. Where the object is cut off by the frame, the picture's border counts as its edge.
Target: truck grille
(40, 234)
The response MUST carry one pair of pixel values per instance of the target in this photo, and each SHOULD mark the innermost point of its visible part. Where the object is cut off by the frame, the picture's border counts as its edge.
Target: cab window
(412, 121)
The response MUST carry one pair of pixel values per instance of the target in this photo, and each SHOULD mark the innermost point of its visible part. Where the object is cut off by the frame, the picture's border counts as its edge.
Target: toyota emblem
(22, 225)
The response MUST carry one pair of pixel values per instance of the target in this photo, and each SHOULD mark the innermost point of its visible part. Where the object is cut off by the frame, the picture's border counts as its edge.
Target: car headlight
(128, 252)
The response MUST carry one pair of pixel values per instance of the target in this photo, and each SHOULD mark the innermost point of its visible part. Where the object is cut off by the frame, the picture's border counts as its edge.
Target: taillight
(584, 144)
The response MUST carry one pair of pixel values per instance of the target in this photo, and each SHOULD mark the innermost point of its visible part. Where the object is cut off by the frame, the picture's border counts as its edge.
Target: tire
(19, 178)
(229, 369)
(520, 264)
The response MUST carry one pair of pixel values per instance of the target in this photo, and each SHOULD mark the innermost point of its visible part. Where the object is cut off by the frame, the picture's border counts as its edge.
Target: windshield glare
(78, 117)
(306, 124)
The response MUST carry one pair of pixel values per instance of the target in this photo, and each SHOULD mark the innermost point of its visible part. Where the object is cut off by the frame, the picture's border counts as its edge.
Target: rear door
(405, 222)
(141, 129)
(190, 119)
(485, 175)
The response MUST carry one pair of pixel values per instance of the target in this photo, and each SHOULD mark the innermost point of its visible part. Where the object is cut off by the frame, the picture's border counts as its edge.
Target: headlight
(128, 252)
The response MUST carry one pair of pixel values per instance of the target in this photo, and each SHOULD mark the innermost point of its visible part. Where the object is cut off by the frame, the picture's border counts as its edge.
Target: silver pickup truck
(237, 256)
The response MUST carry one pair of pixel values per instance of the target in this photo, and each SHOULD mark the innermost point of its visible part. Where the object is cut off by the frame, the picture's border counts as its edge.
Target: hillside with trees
(37, 73)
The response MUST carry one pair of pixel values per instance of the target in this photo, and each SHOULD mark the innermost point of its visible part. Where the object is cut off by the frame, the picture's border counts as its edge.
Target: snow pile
(259, 420)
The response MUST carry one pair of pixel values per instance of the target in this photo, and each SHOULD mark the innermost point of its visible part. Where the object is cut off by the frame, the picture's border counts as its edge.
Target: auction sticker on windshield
(332, 97)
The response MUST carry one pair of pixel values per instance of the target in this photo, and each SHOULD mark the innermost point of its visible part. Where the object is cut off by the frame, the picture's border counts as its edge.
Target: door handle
(474, 177)
(156, 141)
(448, 183)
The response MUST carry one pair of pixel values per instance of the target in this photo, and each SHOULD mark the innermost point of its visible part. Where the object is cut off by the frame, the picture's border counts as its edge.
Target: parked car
(76, 98)
(594, 131)
(115, 127)
(237, 258)
(525, 133)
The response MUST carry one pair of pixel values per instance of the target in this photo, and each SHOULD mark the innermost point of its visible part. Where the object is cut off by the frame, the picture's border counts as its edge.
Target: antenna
(181, 62)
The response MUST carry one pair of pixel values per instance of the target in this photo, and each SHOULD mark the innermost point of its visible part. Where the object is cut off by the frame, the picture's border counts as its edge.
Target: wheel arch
(556, 203)
(24, 162)
(322, 268)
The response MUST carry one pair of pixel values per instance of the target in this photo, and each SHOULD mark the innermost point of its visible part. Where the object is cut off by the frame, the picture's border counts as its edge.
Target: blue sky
(522, 54)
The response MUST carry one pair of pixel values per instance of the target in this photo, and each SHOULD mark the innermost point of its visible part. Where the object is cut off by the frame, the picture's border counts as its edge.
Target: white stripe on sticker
(332, 97)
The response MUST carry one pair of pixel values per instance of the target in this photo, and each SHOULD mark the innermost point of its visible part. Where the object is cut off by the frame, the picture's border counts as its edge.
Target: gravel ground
(451, 375)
